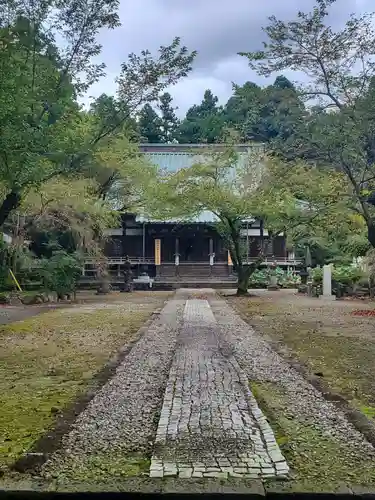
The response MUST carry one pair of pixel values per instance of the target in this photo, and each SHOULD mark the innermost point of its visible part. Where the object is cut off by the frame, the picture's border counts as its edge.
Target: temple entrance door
(194, 248)
(187, 248)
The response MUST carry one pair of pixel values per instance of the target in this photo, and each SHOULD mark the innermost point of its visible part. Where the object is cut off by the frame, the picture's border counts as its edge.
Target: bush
(345, 275)
(61, 273)
(261, 278)
(344, 278)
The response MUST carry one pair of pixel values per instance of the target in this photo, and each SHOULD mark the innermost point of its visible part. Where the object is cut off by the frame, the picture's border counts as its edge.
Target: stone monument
(327, 283)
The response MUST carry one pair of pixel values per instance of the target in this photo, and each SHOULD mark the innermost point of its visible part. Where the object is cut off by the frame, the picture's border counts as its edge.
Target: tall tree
(264, 114)
(242, 111)
(149, 124)
(341, 69)
(169, 120)
(43, 132)
(203, 123)
(255, 187)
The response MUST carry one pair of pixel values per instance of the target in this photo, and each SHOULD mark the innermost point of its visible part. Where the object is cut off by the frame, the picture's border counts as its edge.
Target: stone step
(194, 270)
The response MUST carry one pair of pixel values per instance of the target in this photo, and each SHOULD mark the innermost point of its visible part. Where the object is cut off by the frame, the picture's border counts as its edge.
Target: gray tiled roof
(205, 217)
(173, 157)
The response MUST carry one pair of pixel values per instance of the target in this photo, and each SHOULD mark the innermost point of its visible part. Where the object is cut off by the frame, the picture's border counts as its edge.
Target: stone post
(309, 282)
(327, 283)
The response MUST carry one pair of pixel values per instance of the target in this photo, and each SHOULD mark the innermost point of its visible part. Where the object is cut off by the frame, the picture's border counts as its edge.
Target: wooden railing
(113, 261)
(279, 260)
(115, 264)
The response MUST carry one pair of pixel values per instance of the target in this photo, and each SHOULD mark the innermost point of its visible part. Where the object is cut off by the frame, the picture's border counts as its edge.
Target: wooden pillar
(157, 256)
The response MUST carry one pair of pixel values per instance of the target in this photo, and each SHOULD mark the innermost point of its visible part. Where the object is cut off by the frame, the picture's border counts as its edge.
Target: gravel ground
(121, 419)
(261, 363)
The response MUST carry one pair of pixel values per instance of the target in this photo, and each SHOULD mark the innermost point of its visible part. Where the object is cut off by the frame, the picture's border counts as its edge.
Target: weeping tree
(74, 223)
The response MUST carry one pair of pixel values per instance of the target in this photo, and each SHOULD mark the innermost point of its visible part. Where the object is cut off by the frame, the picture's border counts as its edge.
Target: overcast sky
(217, 29)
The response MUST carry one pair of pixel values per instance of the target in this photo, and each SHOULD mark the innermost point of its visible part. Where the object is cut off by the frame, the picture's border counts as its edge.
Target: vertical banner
(230, 263)
(157, 253)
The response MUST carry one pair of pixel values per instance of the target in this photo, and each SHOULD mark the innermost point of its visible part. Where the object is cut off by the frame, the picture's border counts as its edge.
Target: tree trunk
(10, 203)
(371, 233)
(243, 281)
(244, 273)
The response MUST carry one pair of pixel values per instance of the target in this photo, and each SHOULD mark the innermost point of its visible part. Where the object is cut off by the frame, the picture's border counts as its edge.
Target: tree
(75, 223)
(169, 120)
(44, 134)
(150, 125)
(121, 173)
(39, 85)
(284, 199)
(242, 111)
(203, 123)
(267, 115)
(340, 65)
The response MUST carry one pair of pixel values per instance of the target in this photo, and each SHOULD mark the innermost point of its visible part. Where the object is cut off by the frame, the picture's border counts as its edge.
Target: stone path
(210, 423)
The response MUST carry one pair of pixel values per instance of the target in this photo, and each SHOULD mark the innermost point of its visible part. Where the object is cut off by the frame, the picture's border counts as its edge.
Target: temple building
(172, 250)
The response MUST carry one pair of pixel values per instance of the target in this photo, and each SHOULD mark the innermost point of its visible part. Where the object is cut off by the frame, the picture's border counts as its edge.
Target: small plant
(261, 278)
(60, 273)
(317, 275)
(345, 275)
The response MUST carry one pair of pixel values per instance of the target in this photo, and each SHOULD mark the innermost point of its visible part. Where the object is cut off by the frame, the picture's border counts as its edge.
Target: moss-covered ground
(48, 360)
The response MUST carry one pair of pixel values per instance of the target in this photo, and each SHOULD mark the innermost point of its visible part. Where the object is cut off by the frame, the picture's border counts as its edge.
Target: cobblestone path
(210, 423)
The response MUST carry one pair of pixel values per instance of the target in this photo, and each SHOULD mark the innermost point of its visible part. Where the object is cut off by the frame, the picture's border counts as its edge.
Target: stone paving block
(197, 474)
(156, 473)
(185, 473)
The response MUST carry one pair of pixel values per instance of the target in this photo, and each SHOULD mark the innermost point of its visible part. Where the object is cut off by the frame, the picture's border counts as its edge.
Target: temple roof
(205, 217)
(173, 157)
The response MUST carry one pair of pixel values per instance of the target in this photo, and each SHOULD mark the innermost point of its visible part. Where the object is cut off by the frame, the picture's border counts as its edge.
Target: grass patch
(46, 361)
(319, 463)
(102, 468)
(326, 339)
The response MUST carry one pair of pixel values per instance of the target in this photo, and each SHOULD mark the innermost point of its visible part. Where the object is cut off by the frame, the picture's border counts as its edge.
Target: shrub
(343, 278)
(261, 278)
(61, 272)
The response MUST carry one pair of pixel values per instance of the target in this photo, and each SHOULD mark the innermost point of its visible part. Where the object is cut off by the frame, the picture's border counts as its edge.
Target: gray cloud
(218, 29)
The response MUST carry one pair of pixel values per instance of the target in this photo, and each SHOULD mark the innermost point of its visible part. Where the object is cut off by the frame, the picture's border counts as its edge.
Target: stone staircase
(194, 272)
